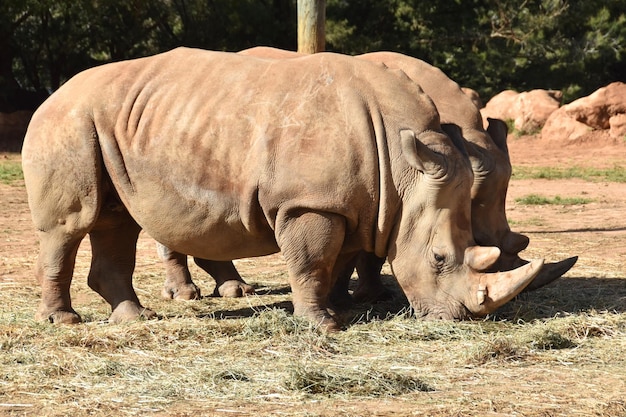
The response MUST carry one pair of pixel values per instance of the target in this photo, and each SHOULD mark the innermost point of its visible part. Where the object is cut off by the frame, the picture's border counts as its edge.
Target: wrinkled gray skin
(492, 171)
(343, 156)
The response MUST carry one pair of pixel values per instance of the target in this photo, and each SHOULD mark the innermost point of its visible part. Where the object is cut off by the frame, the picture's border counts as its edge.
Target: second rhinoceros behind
(223, 156)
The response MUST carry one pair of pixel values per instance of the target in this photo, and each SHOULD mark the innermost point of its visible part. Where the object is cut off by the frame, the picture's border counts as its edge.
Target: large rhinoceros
(490, 161)
(492, 171)
(223, 156)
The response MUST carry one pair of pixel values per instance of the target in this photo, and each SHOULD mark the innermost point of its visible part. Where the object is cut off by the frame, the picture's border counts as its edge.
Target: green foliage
(489, 45)
(45, 42)
(535, 199)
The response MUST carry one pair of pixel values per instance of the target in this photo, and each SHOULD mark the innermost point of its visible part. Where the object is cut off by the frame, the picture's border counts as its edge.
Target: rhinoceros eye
(439, 259)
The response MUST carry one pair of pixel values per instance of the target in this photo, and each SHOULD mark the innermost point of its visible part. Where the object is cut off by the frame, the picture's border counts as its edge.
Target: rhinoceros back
(200, 144)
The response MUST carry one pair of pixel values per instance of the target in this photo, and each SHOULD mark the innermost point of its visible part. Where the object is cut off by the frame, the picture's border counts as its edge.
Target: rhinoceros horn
(550, 272)
(513, 243)
(489, 291)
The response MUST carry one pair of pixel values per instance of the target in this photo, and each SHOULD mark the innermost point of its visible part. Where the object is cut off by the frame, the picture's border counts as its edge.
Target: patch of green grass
(536, 199)
(615, 174)
(10, 171)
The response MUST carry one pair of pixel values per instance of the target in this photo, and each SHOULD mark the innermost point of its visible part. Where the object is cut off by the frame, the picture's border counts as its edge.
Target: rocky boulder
(603, 110)
(528, 110)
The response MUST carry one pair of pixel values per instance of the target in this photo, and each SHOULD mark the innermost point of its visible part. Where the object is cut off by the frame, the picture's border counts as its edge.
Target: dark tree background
(489, 45)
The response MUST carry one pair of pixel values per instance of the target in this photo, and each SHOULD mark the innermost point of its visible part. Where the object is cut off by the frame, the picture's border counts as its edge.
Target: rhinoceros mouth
(434, 311)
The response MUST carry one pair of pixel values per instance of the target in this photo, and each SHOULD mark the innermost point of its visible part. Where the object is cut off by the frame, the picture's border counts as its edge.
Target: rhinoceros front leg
(113, 247)
(339, 295)
(311, 242)
(370, 287)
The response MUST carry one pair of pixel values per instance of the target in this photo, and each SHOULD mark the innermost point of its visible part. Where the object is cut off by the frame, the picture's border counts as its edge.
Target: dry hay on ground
(560, 351)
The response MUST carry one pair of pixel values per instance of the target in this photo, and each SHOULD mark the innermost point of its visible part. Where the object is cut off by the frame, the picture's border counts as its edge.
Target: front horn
(490, 291)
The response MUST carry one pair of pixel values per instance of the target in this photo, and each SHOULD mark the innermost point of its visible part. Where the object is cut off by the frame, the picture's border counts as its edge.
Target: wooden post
(311, 26)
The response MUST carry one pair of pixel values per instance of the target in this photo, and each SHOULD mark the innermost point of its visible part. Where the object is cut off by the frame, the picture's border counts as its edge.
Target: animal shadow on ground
(273, 291)
(248, 311)
(570, 295)
(357, 312)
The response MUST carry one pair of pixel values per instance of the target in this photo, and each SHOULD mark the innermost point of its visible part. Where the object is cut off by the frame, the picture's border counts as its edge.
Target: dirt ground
(595, 231)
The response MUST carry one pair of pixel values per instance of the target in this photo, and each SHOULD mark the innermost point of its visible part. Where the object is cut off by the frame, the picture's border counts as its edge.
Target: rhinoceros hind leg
(310, 243)
(113, 247)
(228, 282)
(54, 270)
(178, 284)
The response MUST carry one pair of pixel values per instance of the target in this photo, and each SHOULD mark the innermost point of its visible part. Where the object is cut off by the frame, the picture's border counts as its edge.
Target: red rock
(528, 110)
(604, 109)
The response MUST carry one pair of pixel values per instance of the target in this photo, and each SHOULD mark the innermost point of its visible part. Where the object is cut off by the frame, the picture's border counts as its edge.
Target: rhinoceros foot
(341, 299)
(129, 311)
(323, 319)
(551, 272)
(233, 289)
(371, 292)
(182, 292)
(58, 317)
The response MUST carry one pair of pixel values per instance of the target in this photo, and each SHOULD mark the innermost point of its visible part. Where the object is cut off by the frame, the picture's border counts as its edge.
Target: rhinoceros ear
(498, 130)
(482, 160)
(420, 156)
(454, 133)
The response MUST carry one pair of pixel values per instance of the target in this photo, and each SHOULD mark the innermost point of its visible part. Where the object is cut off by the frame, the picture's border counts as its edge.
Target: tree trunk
(311, 26)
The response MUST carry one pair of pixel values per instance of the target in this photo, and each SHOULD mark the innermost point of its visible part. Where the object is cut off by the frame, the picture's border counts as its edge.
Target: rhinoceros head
(491, 165)
(432, 250)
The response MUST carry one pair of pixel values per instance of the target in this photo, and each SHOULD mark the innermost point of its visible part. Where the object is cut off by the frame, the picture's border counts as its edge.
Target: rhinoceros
(492, 171)
(490, 160)
(223, 156)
